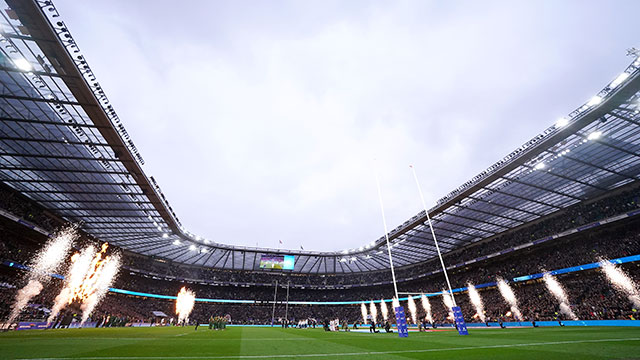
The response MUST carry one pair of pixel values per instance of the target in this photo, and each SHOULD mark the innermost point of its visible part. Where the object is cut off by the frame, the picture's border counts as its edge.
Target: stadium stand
(590, 294)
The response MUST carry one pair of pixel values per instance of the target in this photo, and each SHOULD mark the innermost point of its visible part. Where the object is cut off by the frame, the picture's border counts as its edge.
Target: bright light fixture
(165, 235)
(203, 250)
(177, 242)
(23, 64)
(622, 77)
(594, 135)
(563, 121)
(539, 166)
(594, 101)
(192, 247)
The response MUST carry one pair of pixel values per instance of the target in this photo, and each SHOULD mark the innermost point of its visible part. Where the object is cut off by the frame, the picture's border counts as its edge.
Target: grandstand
(562, 201)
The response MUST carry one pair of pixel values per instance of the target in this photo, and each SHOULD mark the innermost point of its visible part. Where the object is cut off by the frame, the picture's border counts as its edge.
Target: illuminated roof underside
(63, 146)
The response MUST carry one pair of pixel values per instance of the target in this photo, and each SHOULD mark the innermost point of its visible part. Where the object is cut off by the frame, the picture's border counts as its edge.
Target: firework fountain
(184, 304)
(100, 278)
(426, 305)
(621, 281)
(448, 303)
(395, 303)
(476, 300)
(558, 292)
(41, 266)
(80, 263)
(363, 311)
(510, 298)
(87, 281)
(413, 309)
(384, 310)
(374, 311)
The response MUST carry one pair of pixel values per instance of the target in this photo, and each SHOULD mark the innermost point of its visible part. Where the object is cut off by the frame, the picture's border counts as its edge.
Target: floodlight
(594, 135)
(192, 247)
(177, 242)
(539, 166)
(203, 250)
(594, 101)
(165, 235)
(622, 77)
(23, 64)
(563, 121)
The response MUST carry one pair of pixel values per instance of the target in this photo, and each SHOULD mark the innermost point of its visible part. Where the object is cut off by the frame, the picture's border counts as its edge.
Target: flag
(280, 241)
(301, 248)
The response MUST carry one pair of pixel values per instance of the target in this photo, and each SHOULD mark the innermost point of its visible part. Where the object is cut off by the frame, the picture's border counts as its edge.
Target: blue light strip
(622, 260)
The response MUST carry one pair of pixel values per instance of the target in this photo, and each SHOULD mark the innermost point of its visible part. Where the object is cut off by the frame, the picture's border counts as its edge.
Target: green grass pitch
(277, 343)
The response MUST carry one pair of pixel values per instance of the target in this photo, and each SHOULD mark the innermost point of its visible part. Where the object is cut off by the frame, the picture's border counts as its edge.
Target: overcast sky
(260, 120)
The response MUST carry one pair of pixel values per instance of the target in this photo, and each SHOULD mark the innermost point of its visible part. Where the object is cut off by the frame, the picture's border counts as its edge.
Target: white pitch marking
(338, 354)
(173, 337)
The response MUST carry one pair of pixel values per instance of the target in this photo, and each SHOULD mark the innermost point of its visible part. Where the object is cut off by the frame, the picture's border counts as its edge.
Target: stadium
(536, 256)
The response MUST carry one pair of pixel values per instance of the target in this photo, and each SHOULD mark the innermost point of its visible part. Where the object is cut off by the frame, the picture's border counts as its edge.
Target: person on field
(372, 328)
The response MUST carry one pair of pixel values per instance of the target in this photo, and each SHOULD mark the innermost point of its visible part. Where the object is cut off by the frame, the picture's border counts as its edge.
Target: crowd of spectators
(590, 294)
(569, 218)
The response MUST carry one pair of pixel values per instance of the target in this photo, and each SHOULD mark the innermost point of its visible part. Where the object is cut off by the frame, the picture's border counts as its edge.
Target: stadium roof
(63, 145)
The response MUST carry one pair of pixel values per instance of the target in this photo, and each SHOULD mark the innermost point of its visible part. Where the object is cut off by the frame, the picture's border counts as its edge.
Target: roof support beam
(543, 188)
(521, 198)
(37, 99)
(62, 157)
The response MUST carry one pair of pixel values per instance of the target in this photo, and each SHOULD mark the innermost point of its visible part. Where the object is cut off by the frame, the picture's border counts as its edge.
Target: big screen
(280, 262)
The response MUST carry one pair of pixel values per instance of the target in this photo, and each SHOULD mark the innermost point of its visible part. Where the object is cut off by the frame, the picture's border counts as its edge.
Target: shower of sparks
(510, 298)
(426, 305)
(184, 305)
(476, 300)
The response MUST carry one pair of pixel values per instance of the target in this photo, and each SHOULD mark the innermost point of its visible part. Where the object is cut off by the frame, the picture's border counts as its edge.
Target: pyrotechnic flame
(395, 302)
(508, 314)
(510, 298)
(413, 310)
(363, 311)
(184, 304)
(558, 292)
(74, 278)
(52, 255)
(45, 262)
(108, 272)
(448, 303)
(23, 296)
(621, 281)
(427, 307)
(476, 300)
(374, 311)
(384, 310)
